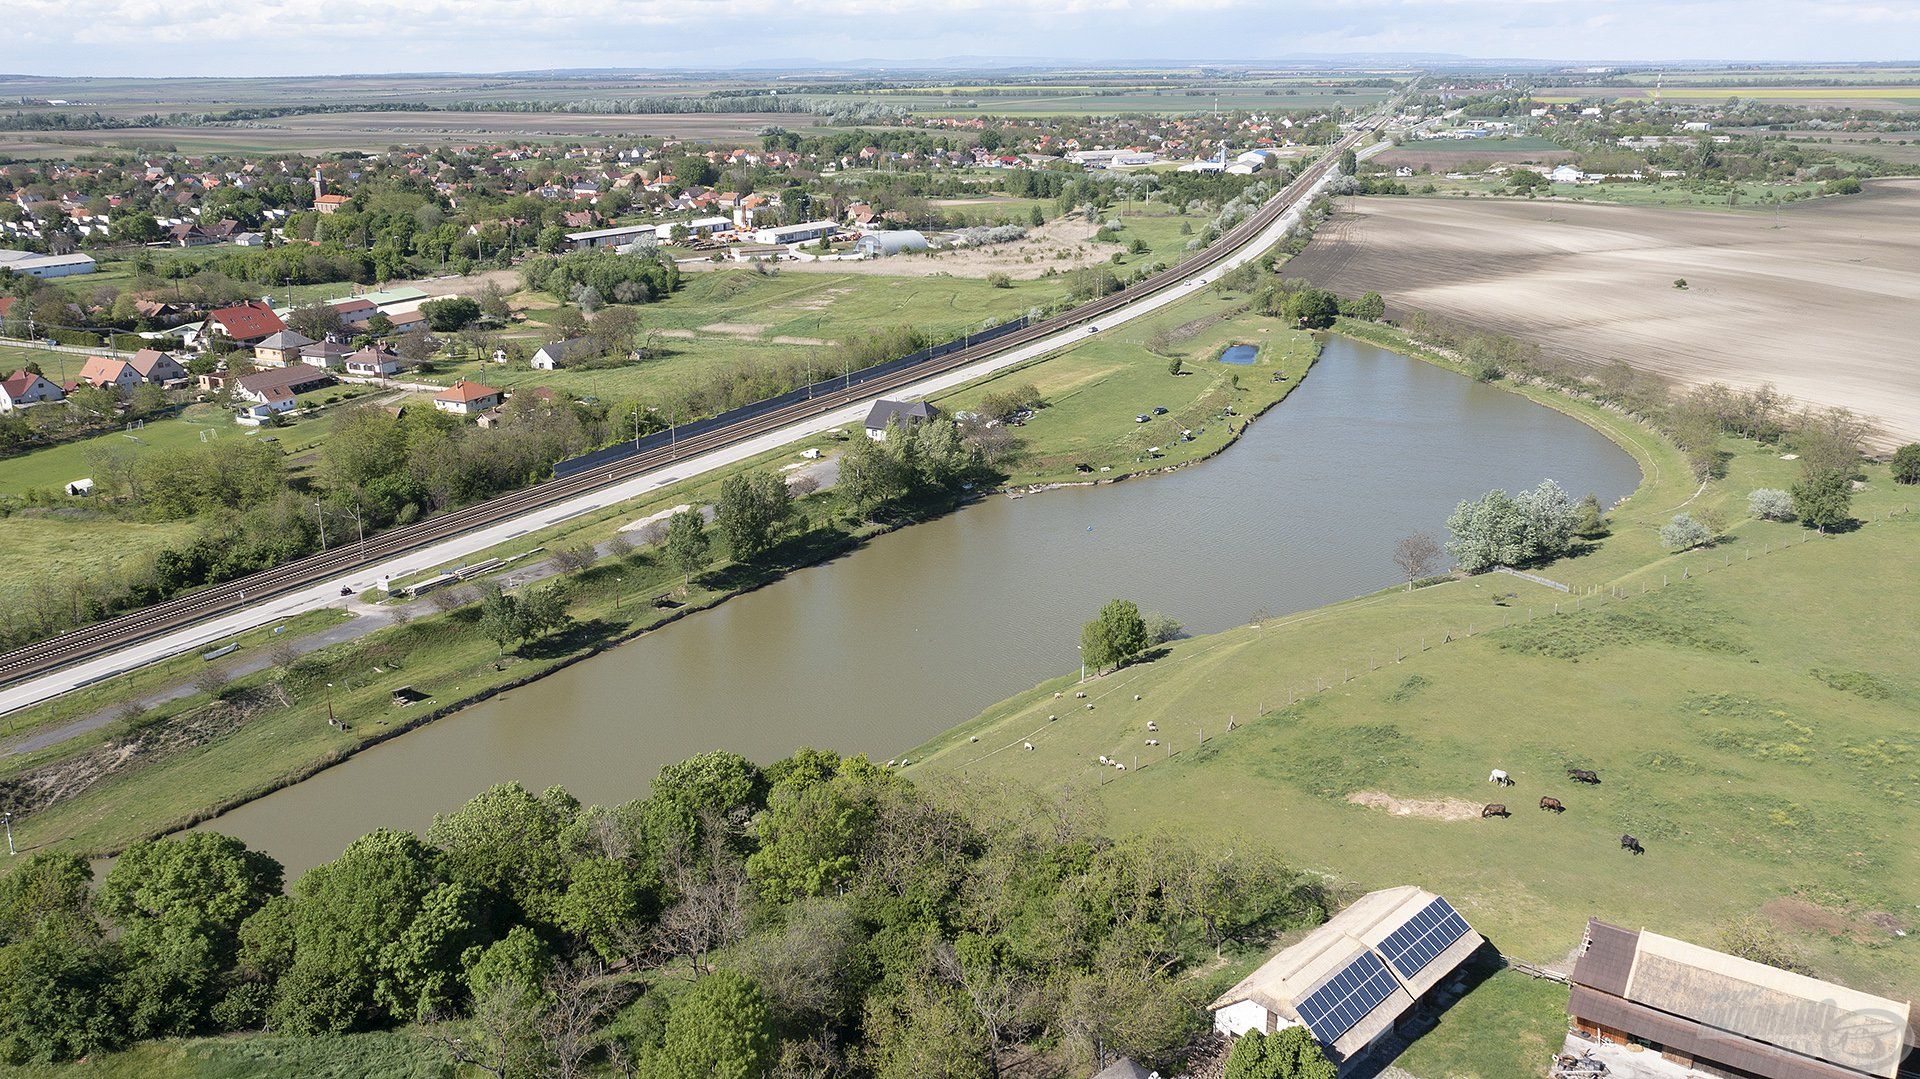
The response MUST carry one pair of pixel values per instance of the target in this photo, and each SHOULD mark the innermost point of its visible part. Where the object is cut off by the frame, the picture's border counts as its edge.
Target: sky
(316, 37)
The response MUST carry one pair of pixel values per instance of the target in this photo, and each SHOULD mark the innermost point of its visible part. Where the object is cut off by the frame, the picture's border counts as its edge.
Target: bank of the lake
(922, 628)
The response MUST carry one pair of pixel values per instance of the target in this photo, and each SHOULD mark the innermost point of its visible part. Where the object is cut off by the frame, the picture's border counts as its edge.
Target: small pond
(1240, 354)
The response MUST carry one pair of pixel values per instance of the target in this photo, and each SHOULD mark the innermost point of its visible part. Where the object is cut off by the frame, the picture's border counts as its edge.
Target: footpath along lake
(925, 627)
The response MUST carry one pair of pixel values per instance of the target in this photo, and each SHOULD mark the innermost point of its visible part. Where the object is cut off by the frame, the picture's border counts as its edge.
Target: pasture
(1748, 714)
(1473, 155)
(1819, 306)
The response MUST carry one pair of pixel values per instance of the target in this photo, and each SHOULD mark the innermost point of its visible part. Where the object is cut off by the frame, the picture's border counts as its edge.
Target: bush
(1771, 504)
(1906, 463)
(1683, 533)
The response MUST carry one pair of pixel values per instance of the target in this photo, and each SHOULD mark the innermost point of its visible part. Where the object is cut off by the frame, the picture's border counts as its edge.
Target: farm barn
(1353, 978)
(1718, 1013)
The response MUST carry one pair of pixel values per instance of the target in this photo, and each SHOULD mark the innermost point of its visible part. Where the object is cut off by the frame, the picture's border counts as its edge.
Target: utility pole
(323, 524)
(8, 818)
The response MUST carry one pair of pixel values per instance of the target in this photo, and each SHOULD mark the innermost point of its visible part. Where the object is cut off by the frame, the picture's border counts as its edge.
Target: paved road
(455, 548)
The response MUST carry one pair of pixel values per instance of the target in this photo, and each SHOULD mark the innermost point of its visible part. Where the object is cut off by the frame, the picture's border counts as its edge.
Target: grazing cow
(1500, 778)
(1553, 804)
(1582, 775)
(1627, 842)
(1494, 810)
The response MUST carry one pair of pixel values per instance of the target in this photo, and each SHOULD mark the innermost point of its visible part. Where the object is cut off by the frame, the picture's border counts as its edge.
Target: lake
(923, 628)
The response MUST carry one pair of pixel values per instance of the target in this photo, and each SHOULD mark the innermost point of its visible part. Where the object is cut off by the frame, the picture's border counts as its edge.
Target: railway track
(92, 640)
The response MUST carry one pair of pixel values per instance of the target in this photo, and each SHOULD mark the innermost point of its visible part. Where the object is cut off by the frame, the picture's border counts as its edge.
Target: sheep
(1028, 745)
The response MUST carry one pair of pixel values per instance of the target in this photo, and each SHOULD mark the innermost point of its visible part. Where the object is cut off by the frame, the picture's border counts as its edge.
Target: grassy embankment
(447, 658)
(1744, 705)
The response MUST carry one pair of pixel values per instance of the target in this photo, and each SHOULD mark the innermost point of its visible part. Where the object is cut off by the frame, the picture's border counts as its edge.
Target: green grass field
(1749, 712)
(1746, 196)
(1096, 389)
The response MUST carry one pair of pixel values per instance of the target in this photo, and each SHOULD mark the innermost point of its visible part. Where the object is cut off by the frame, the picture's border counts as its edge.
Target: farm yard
(1532, 269)
(1741, 706)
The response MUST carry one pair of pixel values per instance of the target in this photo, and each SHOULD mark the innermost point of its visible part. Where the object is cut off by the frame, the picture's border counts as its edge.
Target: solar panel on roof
(1335, 1007)
(1419, 942)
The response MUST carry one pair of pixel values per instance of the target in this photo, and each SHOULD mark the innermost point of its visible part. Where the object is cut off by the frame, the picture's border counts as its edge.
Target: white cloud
(257, 37)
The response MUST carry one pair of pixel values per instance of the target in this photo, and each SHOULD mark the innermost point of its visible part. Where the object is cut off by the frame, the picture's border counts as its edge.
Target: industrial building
(43, 266)
(795, 234)
(1726, 1016)
(1354, 977)
(613, 237)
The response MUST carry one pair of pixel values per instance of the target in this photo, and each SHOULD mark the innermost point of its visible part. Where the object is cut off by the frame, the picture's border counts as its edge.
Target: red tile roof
(248, 321)
(466, 392)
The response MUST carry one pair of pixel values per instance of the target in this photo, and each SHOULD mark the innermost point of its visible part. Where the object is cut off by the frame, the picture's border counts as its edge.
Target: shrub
(1770, 504)
(1683, 533)
(1906, 463)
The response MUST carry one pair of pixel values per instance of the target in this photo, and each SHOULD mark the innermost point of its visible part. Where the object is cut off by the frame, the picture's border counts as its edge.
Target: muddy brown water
(923, 628)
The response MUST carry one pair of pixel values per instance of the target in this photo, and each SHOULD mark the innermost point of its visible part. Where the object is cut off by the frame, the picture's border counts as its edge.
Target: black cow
(1627, 842)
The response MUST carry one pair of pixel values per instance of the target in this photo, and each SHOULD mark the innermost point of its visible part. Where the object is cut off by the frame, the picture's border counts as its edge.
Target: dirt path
(1436, 809)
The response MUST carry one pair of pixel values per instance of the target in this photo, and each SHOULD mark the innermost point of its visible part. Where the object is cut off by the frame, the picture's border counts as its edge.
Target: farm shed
(1726, 1015)
(893, 242)
(1353, 978)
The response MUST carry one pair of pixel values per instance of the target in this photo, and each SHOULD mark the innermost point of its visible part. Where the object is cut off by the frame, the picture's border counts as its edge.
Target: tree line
(819, 916)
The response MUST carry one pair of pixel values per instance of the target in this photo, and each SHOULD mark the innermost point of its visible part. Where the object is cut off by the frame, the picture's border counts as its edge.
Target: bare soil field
(377, 130)
(1826, 306)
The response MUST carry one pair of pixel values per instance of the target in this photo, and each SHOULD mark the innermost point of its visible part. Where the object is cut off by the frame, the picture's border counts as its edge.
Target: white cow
(1499, 777)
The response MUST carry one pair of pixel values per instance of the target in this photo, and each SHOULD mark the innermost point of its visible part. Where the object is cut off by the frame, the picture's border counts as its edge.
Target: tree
(604, 905)
(1684, 533)
(1417, 556)
(1115, 636)
(501, 618)
(1590, 517)
(450, 314)
(686, 546)
(1486, 533)
(1161, 628)
(1906, 463)
(1824, 497)
(1372, 307)
(180, 903)
(870, 477)
(1311, 307)
(506, 844)
(750, 512)
(1770, 504)
(315, 320)
(1349, 162)
(718, 1029)
(346, 915)
(493, 302)
(1287, 1054)
(1755, 939)
(1526, 181)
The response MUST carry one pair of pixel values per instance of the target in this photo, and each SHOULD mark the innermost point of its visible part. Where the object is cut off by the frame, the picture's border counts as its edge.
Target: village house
(276, 386)
(465, 398)
(373, 362)
(280, 349)
(326, 355)
(554, 355)
(157, 367)
(110, 374)
(331, 204)
(23, 388)
(245, 324)
(354, 314)
(905, 413)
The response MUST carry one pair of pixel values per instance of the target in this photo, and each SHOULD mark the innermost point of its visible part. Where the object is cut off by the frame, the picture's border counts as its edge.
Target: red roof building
(246, 324)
